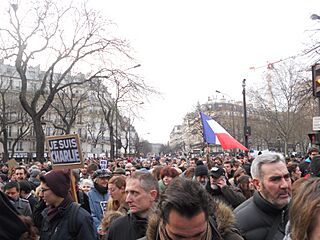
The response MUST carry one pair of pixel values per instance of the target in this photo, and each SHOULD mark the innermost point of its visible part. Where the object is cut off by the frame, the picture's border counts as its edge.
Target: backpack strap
(72, 219)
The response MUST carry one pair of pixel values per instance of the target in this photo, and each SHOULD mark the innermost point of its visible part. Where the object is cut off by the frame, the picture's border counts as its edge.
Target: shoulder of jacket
(24, 201)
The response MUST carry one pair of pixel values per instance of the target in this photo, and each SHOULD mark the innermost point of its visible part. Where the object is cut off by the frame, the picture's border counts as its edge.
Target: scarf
(53, 211)
(164, 235)
(100, 189)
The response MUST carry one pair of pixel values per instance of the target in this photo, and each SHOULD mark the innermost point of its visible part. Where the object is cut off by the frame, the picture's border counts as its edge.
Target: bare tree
(284, 94)
(68, 104)
(120, 92)
(66, 40)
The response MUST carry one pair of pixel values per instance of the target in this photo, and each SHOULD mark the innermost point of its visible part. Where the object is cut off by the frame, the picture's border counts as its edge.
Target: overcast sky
(189, 49)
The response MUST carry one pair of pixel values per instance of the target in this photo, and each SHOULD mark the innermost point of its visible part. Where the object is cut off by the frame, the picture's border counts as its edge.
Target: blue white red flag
(214, 133)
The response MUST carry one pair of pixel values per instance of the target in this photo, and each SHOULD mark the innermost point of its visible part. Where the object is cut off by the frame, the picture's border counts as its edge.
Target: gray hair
(264, 159)
(147, 181)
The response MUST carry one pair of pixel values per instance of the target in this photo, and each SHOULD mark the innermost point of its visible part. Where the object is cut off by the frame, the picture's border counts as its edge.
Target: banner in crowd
(65, 151)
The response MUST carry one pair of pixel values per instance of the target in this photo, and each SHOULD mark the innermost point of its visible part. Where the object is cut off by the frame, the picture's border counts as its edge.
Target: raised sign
(65, 151)
(316, 124)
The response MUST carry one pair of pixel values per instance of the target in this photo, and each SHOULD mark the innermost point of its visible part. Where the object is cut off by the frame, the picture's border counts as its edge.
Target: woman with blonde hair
(305, 211)
(116, 188)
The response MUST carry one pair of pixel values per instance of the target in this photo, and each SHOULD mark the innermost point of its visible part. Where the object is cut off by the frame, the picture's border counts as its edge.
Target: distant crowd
(164, 198)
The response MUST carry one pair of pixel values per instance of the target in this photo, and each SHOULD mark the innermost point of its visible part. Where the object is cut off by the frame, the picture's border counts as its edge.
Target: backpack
(72, 220)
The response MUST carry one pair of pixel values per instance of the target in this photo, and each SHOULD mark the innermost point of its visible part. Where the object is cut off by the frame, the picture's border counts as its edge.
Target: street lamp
(245, 128)
(232, 112)
(118, 141)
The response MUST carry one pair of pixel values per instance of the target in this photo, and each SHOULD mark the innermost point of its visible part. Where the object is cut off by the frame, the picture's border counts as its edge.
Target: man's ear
(257, 184)
(154, 194)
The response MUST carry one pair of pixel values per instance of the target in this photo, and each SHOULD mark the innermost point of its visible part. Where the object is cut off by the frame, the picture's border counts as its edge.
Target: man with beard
(221, 190)
(201, 174)
(265, 215)
(99, 196)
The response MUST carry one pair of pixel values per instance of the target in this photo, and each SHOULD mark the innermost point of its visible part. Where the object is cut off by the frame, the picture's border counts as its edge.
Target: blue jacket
(98, 203)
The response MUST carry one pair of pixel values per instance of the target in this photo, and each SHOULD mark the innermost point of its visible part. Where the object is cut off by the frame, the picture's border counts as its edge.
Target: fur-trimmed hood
(224, 218)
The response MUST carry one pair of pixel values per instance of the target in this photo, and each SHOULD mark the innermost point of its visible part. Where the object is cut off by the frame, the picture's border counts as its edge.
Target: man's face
(202, 179)
(187, 228)
(84, 170)
(275, 185)
(121, 164)
(20, 174)
(192, 163)
(13, 193)
(312, 154)
(102, 181)
(4, 169)
(227, 167)
(137, 198)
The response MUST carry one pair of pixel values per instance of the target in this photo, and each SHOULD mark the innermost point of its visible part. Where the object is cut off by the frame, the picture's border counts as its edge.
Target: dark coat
(128, 227)
(58, 228)
(223, 229)
(256, 216)
(11, 227)
(230, 195)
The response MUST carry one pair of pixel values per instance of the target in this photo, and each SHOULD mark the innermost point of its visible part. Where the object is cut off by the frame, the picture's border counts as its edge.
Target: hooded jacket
(224, 220)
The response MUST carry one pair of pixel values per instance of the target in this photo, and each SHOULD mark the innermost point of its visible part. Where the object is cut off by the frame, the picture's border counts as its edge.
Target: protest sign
(103, 164)
(65, 151)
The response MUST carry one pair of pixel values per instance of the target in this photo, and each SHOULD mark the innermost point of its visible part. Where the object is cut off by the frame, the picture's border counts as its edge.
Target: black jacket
(58, 228)
(230, 195)
(128, 227)
(11, 227)
(256, 216)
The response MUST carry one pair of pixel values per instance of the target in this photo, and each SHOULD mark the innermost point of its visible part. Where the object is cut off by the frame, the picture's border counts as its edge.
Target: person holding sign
(99, 196)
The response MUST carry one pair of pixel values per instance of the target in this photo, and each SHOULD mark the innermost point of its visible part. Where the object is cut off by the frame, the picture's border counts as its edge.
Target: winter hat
(201, 170)
(217, 172)
(58, 181)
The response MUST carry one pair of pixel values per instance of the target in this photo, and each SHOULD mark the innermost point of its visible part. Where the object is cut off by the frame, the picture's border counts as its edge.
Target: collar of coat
(223, 215)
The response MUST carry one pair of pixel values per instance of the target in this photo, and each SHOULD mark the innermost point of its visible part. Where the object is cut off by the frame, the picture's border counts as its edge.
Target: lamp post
(232, 112)
(245, 128)
(118, 141)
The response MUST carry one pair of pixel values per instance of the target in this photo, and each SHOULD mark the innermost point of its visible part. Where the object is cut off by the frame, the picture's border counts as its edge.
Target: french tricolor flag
(214, 133)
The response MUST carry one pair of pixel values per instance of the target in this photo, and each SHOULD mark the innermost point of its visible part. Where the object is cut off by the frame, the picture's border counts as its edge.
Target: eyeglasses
(44, 189)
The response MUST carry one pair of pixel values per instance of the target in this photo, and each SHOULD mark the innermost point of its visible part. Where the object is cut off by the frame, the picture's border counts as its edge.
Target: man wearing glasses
(53, 217)
(186, 211)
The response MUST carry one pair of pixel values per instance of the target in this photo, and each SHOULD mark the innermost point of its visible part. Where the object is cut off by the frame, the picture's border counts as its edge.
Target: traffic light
(316, 80)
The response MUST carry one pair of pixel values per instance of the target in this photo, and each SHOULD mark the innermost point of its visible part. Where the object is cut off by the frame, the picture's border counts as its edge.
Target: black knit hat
(201, 170)
(58, 181)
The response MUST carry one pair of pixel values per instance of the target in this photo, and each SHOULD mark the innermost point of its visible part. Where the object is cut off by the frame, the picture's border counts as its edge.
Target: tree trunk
(5, 155)
(40, 138)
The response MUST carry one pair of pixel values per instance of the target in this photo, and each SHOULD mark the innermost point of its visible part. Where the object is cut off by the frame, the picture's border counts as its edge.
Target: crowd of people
(165, 198)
